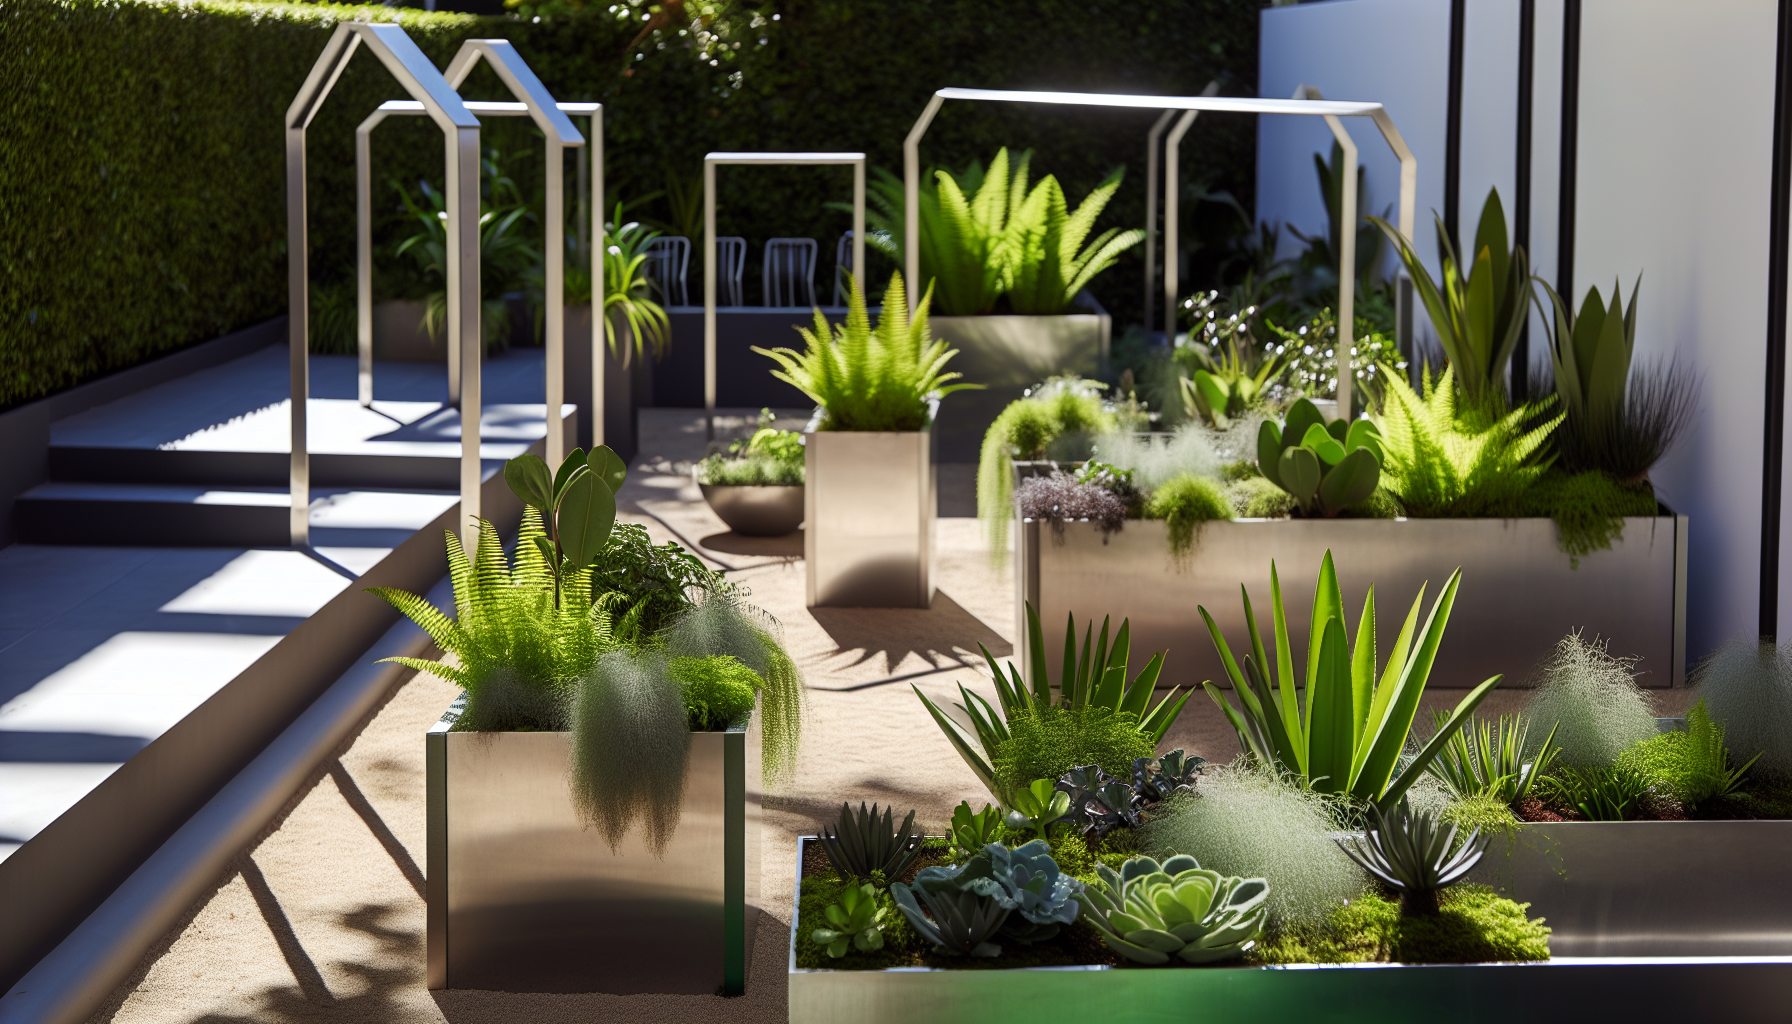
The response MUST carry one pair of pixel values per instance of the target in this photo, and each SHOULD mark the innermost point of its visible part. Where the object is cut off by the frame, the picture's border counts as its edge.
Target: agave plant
(865, 843)
(866, 379)
(1349, 736)
(1478, 314)
(1093, 675)
(1412, 852)
(1148, 912)
(1620, 419)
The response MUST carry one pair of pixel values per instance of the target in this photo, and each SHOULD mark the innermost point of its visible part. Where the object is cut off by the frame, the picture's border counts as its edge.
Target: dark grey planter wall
(625, 390)
(743, 377)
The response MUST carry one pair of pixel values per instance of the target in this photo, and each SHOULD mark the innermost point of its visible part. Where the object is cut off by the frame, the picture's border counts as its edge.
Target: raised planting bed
(1520, 593)
(524, 898)
(1696, 983)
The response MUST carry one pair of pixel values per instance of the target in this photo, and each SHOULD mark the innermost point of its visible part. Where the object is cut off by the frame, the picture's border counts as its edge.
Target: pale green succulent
(1148, 912)
(856, 920)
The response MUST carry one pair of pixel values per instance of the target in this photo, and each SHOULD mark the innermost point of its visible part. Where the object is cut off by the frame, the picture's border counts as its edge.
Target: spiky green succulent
(1149, 912)
(1412, 852)
(866, 842)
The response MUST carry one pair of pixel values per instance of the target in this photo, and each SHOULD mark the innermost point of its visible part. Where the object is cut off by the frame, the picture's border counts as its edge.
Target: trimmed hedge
(142, 180)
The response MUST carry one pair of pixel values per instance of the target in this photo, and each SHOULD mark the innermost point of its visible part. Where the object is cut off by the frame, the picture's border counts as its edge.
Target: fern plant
(871, 379)
(1439, 464)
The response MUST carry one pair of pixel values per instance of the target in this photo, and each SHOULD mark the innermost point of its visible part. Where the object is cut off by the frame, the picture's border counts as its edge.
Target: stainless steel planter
(1518, 597)
(1008, 354)
(869, 509)
(756, 511)
(1568, 990)
(523, 898)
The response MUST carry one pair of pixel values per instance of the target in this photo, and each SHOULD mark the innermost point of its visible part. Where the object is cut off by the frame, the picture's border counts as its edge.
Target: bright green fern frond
(447, 673)
(428, 617)
(460, 574)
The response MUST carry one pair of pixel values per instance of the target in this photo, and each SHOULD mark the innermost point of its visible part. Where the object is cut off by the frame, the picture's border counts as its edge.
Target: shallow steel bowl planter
(1698, 983)
(1520, 594)
(869, 513)
(755, 510)
(523, 898)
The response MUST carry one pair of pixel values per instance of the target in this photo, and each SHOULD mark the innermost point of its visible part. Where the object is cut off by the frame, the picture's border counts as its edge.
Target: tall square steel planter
(524, 898)
(1519, 595)
(869, 513)
(1007, 355)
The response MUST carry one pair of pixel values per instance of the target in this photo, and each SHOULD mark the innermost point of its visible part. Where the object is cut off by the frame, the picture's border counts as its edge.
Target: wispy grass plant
(1593, 702)
(631, 745)
(1747, 687)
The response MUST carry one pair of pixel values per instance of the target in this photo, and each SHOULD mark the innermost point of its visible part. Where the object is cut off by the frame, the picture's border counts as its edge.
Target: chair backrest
(668, 260)
(843, 266)
(731, 259)
(790, 272)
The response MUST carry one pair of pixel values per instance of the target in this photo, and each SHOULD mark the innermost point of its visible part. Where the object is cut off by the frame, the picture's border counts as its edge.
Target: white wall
(1396, 52)
(1489, 110)
(1676, 123)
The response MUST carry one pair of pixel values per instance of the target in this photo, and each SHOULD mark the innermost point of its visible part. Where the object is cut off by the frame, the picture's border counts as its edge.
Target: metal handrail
(1331, 110)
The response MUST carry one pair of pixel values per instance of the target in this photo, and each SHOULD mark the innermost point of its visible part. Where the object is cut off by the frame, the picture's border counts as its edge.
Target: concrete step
(229, 515)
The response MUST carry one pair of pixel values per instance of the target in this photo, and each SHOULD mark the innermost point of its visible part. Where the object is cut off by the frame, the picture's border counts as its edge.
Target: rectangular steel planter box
(1518, 597)
(1007, 355)
(869, 513)
(523, 898)
(1706, 985)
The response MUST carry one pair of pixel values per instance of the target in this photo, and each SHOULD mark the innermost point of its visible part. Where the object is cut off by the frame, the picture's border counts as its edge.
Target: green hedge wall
(142, 178)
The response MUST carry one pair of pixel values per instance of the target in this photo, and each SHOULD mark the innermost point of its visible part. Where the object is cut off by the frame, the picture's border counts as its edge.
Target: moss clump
(1256, 498)
(1380, 505)
(1589, 508)
(1185, 503)
(718, 691)
(1474, 925)
(1485, 812)
(1047, 742)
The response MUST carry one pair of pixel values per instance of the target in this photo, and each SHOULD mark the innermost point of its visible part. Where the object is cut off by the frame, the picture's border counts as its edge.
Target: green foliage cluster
(1474, 925)
(769, 458)
(1693, 766)
(1442, 462)
(871, 379)
(1059, 408)
(1046, 742)
(179, 145)
(1186, 502)
(1325, 466)
(718, 691)
(1609, 793)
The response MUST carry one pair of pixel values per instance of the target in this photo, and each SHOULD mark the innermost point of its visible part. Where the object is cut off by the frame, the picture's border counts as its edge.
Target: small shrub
(1253, 825)
(1257, 498)
(1693, 766)
(1060, 497)
(1595, 699)
(1049, 741)
(1747, 687)
(1187, 502)
(718, 691)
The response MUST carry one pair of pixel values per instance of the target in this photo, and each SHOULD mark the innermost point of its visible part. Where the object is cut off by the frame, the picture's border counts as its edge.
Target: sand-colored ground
(323, 920)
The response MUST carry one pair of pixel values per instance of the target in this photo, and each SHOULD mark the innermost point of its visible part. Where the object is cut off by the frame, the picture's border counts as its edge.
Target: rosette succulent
(1149, 912)
(855, 921)
(1018, 894)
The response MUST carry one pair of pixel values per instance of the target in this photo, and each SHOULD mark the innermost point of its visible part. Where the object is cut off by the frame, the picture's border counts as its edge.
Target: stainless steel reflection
(524, 898)
(869, 507)
(1698, 984)
(1653, 888)
(756, 511)
(1519, 594)
(1007, 355)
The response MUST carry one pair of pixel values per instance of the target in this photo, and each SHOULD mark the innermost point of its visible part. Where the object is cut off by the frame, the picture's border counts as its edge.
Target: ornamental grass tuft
(1593, 700)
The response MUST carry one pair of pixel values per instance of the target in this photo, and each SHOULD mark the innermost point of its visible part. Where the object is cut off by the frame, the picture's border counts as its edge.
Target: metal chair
(731, 259)
(843, 266)
(789, 279)
(668, 260)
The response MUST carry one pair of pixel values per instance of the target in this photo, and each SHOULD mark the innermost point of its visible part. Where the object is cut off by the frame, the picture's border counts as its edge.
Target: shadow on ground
(943, 635)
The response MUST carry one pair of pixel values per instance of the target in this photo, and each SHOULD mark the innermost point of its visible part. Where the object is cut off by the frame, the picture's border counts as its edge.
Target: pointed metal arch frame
(460, 132)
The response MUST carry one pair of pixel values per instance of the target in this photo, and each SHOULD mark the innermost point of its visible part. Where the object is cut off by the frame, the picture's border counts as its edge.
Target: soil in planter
(1475, 925)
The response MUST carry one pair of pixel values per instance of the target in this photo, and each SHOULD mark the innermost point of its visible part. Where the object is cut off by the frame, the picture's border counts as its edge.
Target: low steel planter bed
(523, 898)
(1519, 596)
(1697, 983)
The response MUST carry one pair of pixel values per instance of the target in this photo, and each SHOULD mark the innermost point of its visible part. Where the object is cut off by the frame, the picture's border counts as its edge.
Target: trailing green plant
(1005, 239)
(1251, 823)
(1589, 508)
(1592, 702)
(1046, 741)
(520, 653)
(1477, 314)
(1186, 503)
(1598, 794)
(871, 379)
(628, 292)
(1414, 854)
(718, 691)
(1621, 418)
(1038, 805)
(1060, 408)
(973, 830)
(771, 457)
(577, 502)
(1747, 687)
(1325, 467)
(1093, 675)
(724, 625)
(1148, 912)
(1350, 735)
(631, 743)
(972, 902)
(1440, 464)
(855, 921)
(1693, 766)
(865, 844)
(1494, 759)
